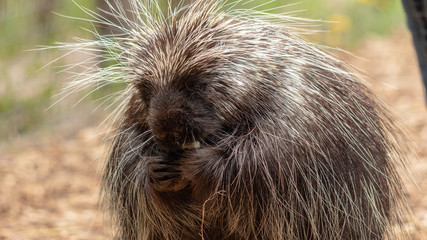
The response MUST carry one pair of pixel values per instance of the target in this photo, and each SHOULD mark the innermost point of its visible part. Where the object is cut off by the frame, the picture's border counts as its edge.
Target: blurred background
(51, 148)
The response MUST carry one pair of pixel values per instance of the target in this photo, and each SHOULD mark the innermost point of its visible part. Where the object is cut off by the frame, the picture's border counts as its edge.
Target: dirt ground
(49, 186)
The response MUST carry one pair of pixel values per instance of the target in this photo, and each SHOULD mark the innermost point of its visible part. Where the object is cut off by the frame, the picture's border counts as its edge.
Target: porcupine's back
(292, 146)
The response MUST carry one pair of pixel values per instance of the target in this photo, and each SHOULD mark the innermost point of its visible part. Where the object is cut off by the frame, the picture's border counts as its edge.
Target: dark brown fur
(292, 146)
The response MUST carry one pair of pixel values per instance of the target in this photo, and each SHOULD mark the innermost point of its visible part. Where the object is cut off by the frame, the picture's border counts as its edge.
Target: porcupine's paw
(165, 175)
(197, 168)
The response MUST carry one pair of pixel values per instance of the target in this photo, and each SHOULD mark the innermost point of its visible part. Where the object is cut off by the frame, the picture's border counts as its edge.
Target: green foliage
(19, 116)
(345, 23)
(26, 92)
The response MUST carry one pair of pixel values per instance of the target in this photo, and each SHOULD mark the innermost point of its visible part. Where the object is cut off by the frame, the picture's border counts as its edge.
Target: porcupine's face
(182, 83)
(179, 114)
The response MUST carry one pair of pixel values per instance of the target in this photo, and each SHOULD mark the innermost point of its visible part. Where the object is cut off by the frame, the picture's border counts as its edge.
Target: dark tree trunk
(44, 10)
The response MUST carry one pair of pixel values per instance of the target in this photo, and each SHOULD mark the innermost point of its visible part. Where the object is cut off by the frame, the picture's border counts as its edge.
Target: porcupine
(235, 128)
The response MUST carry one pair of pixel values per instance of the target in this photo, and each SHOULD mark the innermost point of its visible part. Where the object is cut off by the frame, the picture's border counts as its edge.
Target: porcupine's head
(202, 71)
(174, 83)
(185, 81)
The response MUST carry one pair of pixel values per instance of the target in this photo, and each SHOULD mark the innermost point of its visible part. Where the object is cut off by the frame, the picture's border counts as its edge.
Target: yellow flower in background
(338, 25)
(368, 2)
(379, 4)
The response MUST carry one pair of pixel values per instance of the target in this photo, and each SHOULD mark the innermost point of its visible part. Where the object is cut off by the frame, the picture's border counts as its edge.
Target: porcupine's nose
(171, 119)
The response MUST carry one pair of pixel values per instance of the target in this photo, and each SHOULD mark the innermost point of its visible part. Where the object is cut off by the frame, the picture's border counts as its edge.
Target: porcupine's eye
(192, 85)
(199, 88)
(146, 90)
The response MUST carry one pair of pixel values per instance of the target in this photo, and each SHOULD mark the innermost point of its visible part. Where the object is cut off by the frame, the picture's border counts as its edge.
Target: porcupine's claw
(192, 145)
(165, 175)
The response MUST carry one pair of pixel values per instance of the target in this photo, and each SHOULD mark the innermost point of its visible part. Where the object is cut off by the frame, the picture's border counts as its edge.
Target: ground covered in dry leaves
(49, 185)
